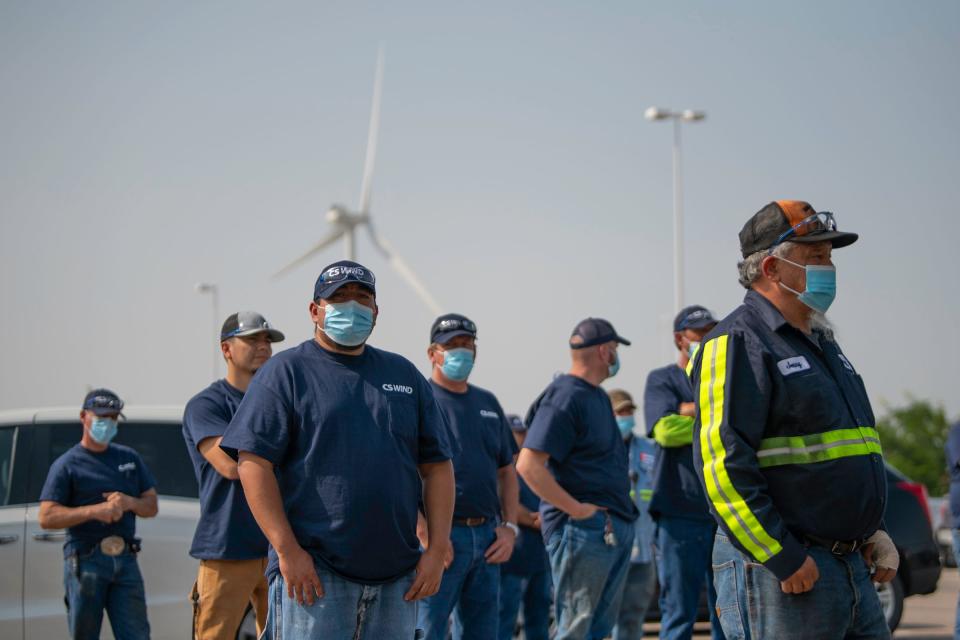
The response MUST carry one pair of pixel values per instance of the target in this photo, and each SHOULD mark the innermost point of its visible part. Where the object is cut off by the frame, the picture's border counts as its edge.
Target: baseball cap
(620, 399)
(451, 325)
(247, 323)
(516, 423)
(693, 317)
(340, 273)
(103, 402)
(593, 331)
(793, 221)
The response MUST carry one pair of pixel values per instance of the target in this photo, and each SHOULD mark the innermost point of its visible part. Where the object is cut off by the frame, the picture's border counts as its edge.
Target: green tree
(913, 437)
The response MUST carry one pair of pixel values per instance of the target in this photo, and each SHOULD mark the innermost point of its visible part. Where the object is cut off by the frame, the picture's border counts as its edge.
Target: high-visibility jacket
(784, 438)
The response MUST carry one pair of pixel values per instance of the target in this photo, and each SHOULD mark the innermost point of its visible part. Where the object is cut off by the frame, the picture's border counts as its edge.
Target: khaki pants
(221, 594)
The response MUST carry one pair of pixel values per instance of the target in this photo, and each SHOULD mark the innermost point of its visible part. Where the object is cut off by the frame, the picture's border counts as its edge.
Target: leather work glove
(880, 552)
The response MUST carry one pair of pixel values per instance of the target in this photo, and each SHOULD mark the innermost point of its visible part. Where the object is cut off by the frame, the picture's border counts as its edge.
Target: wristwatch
(512, 526)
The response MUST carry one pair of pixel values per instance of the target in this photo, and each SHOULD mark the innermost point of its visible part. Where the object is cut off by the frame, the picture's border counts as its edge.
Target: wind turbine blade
(405, 271)
(323, 244)
(366, 186)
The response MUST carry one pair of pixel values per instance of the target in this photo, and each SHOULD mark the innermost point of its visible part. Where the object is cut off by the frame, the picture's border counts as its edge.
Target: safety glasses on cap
(248, 321)
(455, 324)
(112, 403)
(817, 223)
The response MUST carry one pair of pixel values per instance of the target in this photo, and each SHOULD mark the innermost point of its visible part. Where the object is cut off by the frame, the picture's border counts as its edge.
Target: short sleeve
(146, 480)
(433, 437)
(203, 419)
(57, 487)
(508, 446)
(261, 425)
(552, 430)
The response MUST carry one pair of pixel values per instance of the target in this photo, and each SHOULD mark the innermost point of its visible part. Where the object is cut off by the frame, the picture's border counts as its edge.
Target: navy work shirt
(572, 421)
(345, 434)
(787, 442)
(483, 444)
(677, 491)
(529, 553)
(226, 530)
(80, 477)
(953, 467)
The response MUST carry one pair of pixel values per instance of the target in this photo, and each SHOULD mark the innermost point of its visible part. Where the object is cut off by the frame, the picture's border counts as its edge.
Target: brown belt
(469, 522)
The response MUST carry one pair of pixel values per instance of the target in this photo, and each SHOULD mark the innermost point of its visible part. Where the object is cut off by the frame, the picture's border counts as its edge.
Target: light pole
(688, 115)
(214, 291)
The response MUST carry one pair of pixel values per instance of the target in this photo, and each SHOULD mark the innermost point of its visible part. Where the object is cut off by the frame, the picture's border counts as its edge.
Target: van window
(7, 439)
(160, 444)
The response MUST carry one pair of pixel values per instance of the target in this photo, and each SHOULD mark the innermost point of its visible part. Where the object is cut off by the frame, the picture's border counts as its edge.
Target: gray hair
(749, 267)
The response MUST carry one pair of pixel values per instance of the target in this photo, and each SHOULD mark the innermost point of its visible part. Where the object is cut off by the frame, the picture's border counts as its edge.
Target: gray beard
(819, 322)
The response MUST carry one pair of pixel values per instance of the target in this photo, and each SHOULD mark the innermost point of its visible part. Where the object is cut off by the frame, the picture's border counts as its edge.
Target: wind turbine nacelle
(337, 214)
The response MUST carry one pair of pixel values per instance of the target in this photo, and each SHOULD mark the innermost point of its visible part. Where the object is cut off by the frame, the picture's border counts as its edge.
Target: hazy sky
(148, 146)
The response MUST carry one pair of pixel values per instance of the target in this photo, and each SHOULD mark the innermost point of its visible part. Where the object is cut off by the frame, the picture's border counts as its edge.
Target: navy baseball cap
(103, 402)
(593, 331)
(451, 325)
(247, 323)
(516, 423)
(340, 273)
(693, 317)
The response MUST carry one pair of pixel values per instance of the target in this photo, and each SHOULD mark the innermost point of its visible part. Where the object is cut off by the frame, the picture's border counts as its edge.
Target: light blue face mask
(692, 349)
(457, 364)
(626, 424)
(348, 323)
(103, 430)
(821, 286)
(615, 367)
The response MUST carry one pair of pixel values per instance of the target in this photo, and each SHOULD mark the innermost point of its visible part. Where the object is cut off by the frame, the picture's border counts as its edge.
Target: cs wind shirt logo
(485, 413)
(398, 388)
(129, 466)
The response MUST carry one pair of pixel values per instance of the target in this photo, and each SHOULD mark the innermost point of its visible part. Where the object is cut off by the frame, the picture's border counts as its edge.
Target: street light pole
(214, 291)
(678, 117)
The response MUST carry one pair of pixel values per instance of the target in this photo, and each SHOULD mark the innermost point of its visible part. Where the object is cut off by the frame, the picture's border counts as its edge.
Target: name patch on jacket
(796, 364)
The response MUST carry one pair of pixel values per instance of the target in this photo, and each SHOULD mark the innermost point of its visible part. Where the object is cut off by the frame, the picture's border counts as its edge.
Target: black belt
(836, 547)
(469, 522)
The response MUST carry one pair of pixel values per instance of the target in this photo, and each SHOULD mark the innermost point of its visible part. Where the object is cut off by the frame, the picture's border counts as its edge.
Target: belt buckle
(474, 522)
(112, 546)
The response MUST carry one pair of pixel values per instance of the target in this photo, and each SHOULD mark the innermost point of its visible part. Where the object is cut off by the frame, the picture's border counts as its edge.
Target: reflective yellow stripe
(727, 501)
(646, 494)
(819, 447)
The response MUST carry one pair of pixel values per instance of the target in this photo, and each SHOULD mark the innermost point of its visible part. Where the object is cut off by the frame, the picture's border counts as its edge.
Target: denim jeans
(95, 582)
(470, 590)
(842, 604)
(684, 548)
(588, 575)
(347, 611)
(956, 555)
(637, 594)
(536, 593)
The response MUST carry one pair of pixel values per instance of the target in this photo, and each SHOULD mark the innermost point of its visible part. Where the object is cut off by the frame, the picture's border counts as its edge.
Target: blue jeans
(536, 592)
(637, 594)
(347, 611)
(588, 575)
(684, 547)
(956, 555)
(95, 582)
(470, 590)
(842, 604)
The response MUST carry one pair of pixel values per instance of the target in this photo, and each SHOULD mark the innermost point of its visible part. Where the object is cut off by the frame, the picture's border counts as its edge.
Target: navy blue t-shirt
(677, 491)
(346, 434)
(953, 469)
(482, 442)
(573, 422)
(80, 477)
(226, 530)
(529, 553)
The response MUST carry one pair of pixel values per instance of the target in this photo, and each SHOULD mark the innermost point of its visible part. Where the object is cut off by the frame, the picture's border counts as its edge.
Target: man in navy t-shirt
(338, 442)
(485, 512)
(95, 491)
(685, 528)
(230, 546)
(576, 461)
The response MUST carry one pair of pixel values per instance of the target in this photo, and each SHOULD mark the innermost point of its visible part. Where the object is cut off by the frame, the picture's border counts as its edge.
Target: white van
(31, 591)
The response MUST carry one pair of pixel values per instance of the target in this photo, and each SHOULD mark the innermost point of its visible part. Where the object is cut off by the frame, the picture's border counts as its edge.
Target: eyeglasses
(248, 321)
(823, 221)
(340, 273)
(455, 324)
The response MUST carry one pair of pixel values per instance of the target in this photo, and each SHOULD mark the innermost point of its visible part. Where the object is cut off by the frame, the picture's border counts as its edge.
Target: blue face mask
(103, 430)
(821, 286)
(626, 424)
(348, 323)
(692, 349)
(457, 364)
(615, 367)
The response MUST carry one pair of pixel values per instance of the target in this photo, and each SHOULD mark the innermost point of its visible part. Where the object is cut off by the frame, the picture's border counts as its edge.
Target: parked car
(31, 594)
(942, 529)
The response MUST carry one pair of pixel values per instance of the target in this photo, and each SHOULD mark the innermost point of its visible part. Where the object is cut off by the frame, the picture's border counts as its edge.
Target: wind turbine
(346, 222)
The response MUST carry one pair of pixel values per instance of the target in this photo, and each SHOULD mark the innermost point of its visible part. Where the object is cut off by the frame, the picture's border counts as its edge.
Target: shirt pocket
(811, 403)
(404, 418)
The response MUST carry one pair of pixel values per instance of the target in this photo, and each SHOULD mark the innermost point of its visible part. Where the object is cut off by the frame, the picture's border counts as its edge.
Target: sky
(150, 146)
